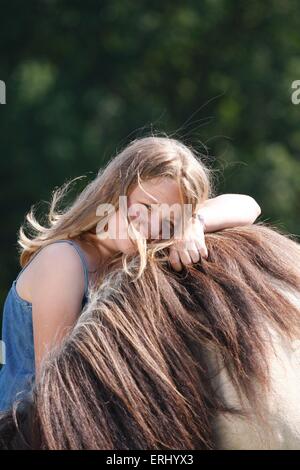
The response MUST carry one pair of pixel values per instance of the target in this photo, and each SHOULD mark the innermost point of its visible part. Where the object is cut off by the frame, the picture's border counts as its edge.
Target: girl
(60, 261)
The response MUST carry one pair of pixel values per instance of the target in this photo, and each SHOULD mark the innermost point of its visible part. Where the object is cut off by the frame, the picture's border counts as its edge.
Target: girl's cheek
(123, 241)
(121, 225)
(126, 246)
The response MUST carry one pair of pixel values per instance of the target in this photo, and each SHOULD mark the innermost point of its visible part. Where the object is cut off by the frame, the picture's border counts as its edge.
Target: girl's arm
(229, 210)
(224, 211)
(56, 291)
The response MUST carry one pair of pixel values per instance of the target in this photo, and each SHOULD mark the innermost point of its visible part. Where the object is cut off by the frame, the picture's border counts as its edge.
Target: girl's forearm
(229, 210)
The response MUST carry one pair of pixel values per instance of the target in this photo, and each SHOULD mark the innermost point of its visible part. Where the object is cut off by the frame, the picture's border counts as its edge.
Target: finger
(175, 260)
(194, 253)
(202, 249)
(185, 257)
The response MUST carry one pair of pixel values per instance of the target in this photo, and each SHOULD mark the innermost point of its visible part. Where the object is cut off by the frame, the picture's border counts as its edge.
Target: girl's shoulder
(61, 263)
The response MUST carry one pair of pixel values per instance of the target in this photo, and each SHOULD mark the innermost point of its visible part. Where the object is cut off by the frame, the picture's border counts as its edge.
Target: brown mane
(133, 373)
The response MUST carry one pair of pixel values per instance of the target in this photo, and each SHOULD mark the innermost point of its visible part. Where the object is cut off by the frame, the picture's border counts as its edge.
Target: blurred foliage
(85, 78)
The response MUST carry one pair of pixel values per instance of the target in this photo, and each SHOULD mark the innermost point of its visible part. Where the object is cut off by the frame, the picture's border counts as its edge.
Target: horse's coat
(280, 407)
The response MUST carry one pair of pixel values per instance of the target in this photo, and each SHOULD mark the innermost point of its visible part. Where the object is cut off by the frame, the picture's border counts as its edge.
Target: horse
(205, 358)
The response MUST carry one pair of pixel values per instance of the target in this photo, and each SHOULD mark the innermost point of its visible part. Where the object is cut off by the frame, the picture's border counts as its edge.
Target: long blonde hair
(143, 159)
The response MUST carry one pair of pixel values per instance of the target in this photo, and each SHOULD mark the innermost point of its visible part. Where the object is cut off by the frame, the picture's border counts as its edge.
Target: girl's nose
(140, 224)
(135, 215)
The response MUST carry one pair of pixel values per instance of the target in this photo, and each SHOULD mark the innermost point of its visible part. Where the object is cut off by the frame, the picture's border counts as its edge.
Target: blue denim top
(18, 372)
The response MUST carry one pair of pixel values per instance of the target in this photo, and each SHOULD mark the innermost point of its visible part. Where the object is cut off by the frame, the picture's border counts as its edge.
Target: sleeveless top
(18, 371)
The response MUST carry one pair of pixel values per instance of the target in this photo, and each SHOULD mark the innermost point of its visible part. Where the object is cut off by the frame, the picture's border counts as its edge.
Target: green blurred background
(85, 77)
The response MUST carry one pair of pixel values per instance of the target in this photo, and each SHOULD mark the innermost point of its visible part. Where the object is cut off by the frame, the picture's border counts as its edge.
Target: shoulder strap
(81, 255)
(83, 261)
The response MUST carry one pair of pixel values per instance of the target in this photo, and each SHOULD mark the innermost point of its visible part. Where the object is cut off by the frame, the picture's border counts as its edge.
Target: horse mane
(134, 374)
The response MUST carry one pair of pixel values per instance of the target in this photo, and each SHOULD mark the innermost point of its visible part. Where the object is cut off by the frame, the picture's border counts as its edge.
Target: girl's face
(145, 211)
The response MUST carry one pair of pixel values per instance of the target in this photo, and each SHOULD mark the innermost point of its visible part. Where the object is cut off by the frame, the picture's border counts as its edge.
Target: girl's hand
(223, 211)
(191, 247)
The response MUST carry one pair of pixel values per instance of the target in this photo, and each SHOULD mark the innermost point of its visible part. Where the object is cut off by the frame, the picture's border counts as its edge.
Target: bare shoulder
(56, 268)
(56, 292)
(61, 256)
